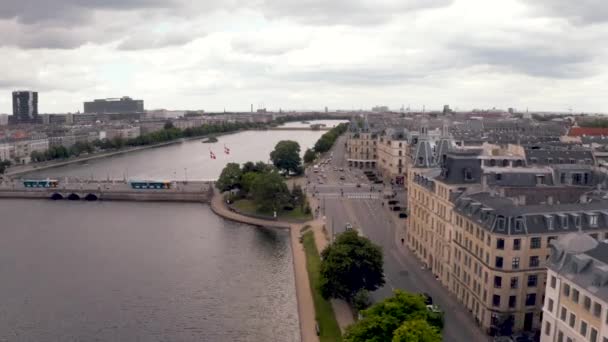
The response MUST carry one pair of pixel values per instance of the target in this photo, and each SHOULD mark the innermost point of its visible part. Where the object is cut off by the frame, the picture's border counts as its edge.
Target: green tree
(298, 197)
(4, 164)
(380, 321)
(269, 191)
(417, 330)
(361, 300)
(286, 156)
(230, 177)
(247, 180)
(309, 156)
(350, 264)
(169, 125)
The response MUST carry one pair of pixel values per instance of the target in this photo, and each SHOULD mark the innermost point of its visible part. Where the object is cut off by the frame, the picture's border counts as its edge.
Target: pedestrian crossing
(350, 195)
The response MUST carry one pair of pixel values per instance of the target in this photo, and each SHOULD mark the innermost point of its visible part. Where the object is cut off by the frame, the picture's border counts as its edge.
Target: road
(362, 207)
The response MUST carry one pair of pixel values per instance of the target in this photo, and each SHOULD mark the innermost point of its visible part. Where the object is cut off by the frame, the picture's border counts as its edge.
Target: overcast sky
(307, 54)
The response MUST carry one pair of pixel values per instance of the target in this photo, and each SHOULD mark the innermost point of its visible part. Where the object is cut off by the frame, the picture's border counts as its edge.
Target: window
(577, 221)
(572, 320)
(496, 300)
(550, 305)
(500, 223)
(534, 261)
(563, 314)
(515, 263)
(593, 335)
(497, 282)
(517, 244)
(553, 282)
(512, 301)
(597, 310)
(535, 243)
(532, 280)
(500, 243)
(575, 294)
(587, 303)
(531, 299)
(583, 329)
(566, 290)
(560, 336)
(564, 220)
(547, 328)
(549, 219)
(468, 174)
(498, 176)
(514, 282)
(498, 262)
(593, 220)
(519, 225)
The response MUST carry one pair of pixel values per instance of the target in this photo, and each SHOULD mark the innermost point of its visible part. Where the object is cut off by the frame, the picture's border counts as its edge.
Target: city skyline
(294, 55)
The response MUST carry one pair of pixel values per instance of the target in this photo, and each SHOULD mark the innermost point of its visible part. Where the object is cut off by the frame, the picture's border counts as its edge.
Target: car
(348, 226)
(393, 202)
(320, 181)
(342, 178)
(341, 169)
(378, 181)
(402, 215)
(433, 308)
(396, 208)
(358, 185)
(335, 169)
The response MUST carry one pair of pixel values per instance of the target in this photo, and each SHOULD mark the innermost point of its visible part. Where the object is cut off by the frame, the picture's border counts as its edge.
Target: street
(342, 202)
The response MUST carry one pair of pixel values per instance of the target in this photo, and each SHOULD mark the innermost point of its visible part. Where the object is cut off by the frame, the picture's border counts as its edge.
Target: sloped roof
(587, 131)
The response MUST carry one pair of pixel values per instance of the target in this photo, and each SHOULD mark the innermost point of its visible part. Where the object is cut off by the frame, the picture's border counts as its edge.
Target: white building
(5, 151)
(576, 294)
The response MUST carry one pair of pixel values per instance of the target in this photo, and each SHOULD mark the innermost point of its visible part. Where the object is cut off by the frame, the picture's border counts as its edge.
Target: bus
(144, 184)
(40, 183)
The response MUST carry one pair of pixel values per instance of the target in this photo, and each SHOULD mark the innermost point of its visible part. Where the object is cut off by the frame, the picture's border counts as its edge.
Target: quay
(109, 190)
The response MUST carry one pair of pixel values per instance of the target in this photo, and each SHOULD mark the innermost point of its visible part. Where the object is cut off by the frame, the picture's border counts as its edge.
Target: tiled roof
(588, 131)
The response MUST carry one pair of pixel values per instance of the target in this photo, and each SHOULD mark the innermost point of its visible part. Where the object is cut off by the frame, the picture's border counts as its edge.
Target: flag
(211, 154)
(226, 150)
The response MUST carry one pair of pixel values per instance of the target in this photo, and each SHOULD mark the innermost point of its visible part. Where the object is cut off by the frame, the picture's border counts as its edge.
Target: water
(328, 123)
(127, 271)
(190, 159)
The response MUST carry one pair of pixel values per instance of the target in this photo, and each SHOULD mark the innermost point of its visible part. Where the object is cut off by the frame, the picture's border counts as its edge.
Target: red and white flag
(211, 154)
(226, 150)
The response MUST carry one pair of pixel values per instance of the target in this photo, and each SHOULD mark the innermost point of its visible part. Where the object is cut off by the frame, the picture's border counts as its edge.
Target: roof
(585, 131)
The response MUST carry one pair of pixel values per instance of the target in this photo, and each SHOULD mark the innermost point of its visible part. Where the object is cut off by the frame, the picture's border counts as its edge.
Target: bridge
(324, 128)
(110, 190)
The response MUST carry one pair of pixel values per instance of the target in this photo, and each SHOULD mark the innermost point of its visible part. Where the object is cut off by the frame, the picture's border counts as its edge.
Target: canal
(124, 271)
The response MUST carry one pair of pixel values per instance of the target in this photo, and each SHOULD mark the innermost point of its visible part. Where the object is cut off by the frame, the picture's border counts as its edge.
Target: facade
(121, 105)
(5, 152)
(576, 295)
(25, 107)
(21, 150)
(361, 149)
(482, 221)
(391, 156)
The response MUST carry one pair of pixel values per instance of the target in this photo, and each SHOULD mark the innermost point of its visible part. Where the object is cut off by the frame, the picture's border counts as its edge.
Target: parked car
(393, 202)
(402, 215)
(358, 185)
(342, 178)
(396, 208)
(428, 300)
(378, 181)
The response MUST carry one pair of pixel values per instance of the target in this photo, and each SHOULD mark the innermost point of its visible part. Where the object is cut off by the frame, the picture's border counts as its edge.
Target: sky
(545, 55)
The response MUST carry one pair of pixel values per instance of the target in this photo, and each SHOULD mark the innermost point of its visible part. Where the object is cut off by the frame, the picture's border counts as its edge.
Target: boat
(209, 140)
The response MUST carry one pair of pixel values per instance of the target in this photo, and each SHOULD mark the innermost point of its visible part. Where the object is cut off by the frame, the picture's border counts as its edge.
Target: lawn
(330, 331)
(248, 206)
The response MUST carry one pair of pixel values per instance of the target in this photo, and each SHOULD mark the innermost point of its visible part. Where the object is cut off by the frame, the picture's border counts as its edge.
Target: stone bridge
(92, 190)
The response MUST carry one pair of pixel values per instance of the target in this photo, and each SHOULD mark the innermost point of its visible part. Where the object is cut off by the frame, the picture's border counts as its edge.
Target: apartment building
(482, 221)
(391, 155)
(576, 294)
(361, 146)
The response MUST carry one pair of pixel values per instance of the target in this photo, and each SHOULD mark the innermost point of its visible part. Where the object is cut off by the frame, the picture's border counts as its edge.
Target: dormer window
(505, 163)
(519, 224)
(500, 223)
(549, 221)
(564, 221)
(577, 220)
(593, 220)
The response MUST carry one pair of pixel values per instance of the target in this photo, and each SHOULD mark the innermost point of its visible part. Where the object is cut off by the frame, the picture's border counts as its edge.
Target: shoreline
(305, 304)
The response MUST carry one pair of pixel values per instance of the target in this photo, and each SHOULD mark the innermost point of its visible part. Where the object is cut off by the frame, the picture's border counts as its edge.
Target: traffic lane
(407, 273)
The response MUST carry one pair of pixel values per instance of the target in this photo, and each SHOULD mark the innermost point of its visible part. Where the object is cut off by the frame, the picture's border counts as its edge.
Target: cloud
(580, 12)
(344, 12)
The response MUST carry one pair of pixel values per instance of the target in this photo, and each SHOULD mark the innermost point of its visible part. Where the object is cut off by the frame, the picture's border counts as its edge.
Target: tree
(309, 156)
(169, 125)
(362, 301)
(247, 180)
(380, 322)
(350, 264)
(417, 330)
(230, 177)
(286, 156)
(269, 191)
(4, 164)
(298, 197)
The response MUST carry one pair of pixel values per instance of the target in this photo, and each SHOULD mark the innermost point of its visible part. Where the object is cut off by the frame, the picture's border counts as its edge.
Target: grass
(330, 331)
(248, 206)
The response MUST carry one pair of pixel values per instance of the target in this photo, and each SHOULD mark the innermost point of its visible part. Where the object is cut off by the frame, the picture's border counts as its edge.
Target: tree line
(325, 142)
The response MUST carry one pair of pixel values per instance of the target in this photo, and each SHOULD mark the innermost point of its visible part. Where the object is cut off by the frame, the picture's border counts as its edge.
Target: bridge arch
(91, 197)
(56, 196)
(73, 197)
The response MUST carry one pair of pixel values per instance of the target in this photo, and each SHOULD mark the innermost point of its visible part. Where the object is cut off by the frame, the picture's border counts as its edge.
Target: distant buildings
(114, 105)
(380, 109)
(25, 107)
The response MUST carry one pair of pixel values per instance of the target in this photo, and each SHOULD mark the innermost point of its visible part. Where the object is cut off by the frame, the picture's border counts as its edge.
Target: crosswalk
(351, 195)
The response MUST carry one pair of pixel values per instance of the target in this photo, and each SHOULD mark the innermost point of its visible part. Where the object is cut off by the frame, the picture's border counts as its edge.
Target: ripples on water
(114, 271)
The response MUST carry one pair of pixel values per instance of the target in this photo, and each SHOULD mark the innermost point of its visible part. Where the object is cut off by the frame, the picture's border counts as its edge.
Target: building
(4, 119)
(482, 220)
(391, 155)
(124, 104)
(21, 150)
(25, 107)
(576, 294)
(380, 109)
(5, 152)
(361, 145)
